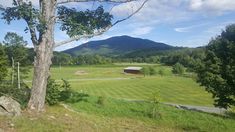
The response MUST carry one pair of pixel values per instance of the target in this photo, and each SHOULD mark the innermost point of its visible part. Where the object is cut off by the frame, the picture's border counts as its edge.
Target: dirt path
(212, 110)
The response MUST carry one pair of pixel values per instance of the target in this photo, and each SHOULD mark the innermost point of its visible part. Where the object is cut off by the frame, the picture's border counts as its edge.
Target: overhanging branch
(100, 32)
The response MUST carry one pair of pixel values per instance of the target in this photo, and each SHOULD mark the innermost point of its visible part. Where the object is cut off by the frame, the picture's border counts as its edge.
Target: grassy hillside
(116, 116)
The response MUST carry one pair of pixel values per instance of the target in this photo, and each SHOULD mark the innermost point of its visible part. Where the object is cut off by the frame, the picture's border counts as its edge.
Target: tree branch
(100, 32)
(111, 1)
(33, 35)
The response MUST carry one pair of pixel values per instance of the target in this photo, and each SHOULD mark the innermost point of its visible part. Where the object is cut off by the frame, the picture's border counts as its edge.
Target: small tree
(145, 71)
(152, 71)
(155, 99)
(217, 70)
(178, 69)
(161, 72)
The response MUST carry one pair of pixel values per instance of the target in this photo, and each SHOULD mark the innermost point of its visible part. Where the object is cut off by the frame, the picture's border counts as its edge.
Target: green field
(123, 107)
(110, 81)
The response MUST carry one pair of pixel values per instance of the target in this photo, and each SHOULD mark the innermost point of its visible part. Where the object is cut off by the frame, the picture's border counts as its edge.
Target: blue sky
(188, 23)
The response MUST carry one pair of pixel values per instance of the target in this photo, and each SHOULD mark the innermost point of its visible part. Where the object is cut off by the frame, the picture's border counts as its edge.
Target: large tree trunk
(44, 53)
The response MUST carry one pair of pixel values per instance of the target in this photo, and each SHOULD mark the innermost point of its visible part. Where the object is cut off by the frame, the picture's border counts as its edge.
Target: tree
(17, 53)
(15, 48)
(145, 71)
(161, 72)
(41, 25)
(3, 63)
(152, 71)
(178, 69)
(217, 70)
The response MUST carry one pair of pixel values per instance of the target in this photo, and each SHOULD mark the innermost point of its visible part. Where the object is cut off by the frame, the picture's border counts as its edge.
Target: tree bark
(44, 53)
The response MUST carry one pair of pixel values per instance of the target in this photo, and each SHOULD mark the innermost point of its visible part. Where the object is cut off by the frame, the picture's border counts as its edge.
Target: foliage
(217, 70)
(152, 71)
(101, 100)
(56, 93)
(52, 92)
(161, 72)
(61, 59)
(66, 93)
(154, 109)
(15, 48)
(3, 63)
(91, 60)
(21, 95)
(178, 69)
(189, 58)
(145, 71)
(83, 22)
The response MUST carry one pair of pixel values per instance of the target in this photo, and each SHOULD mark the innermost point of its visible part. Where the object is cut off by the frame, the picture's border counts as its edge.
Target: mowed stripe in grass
(172, 89)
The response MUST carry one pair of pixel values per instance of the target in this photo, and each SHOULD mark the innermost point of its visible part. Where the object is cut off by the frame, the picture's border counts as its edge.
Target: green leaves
(26, 12)
(3, 63)
(217, 71)
(83, 22)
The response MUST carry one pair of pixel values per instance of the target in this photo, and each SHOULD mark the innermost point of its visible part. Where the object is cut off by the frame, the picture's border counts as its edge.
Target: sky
(187, 23)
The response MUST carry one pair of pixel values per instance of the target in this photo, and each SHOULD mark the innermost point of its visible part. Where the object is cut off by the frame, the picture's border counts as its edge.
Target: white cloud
(189, 28)
(212, 6)
(142, 31)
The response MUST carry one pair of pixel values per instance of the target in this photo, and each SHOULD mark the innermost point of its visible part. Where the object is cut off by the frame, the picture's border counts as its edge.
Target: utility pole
(18, 70)
(13, 70)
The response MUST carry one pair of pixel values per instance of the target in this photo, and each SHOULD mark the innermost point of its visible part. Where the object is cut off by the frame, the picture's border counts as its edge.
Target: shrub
(155, 100)
(76, 97)
(21, 95)
(52, 92)
(101, 100)
(161, 72)
(66, 93)
(152, 71)
(145, 71)
(178, 69)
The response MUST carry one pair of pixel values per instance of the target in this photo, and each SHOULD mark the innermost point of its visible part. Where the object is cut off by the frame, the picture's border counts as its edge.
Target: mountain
(116, 46)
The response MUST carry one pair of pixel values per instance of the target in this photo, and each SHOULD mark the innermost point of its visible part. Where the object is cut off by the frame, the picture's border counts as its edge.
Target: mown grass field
(110, 81)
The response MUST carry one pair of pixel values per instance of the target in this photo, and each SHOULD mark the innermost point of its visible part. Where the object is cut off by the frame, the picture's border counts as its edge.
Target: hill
(116, 46)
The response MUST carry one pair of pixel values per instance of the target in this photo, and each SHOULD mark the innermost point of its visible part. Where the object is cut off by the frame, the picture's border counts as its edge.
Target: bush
(57, 93)
(66, 93)
(152, 71)
(76, 97)
(155, 100)
(161, 72)
(178, 69)
(145, 71)
(101, 100)
(21, 95)
(52, 92)
(3, 64)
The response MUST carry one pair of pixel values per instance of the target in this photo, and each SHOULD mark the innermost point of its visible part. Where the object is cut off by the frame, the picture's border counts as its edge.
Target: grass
(172, 89)
(169, 116)
(99, 71)
(116, 115)
(116, 110)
